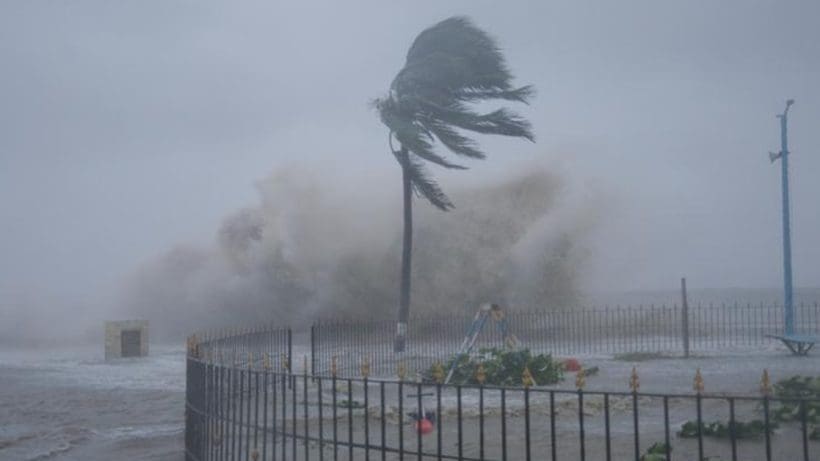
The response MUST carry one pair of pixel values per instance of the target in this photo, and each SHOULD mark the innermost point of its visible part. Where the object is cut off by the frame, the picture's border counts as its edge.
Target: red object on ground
(424, 426)
(572, 364)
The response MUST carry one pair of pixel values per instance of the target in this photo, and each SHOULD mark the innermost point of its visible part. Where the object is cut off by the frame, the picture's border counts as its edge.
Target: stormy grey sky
(129, 127)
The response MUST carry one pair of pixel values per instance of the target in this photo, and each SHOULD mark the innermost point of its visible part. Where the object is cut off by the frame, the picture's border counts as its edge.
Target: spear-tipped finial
(634, 381)
(365, 368)
(438, 372)
(526, 378)
(401, 371)
(333, 366)
(765, 384)
(698, 383)
(480, 374)
(194, 348)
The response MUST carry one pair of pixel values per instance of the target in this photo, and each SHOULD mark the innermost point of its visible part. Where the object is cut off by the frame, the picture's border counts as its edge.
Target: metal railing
(242, 344)
(248, 408)
(657, 329)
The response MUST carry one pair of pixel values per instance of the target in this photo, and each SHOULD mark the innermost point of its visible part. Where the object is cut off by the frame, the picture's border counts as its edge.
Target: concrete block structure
(126, 338)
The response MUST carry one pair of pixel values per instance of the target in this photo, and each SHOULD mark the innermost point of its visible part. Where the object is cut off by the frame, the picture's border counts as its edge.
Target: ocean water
(68, 403)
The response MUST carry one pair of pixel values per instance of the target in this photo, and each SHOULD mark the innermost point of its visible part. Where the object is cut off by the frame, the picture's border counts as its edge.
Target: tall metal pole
(684, 317)
(783, 155)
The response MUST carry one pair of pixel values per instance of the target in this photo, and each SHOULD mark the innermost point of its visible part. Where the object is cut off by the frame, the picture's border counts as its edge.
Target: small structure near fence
(126, 338)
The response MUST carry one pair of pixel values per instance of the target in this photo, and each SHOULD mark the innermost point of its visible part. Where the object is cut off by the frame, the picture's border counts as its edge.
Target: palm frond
(523, 94)
(452, 139)
(499, 122)
(423, 184)
(416, 138)
(455, 47)
(450, 66)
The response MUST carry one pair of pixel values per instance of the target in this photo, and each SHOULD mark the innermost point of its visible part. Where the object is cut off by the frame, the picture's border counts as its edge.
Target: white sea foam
(163, 369)
(139, 432)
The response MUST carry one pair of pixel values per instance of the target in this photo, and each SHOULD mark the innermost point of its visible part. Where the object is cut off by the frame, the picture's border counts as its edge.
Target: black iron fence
(248, 408)
(239, 345)
(661, 329)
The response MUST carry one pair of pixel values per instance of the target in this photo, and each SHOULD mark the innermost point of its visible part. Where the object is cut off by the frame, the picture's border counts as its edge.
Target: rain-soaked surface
(69, 403)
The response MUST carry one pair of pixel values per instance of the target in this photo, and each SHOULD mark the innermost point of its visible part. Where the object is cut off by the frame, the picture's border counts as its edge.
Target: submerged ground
(70, 404)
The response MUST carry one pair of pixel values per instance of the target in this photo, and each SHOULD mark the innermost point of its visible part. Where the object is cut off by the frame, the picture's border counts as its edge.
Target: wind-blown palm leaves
(450, 67)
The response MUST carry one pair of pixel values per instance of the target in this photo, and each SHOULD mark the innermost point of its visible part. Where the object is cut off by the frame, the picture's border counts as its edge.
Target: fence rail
(246, 407)
(242, 345)
(614, 330)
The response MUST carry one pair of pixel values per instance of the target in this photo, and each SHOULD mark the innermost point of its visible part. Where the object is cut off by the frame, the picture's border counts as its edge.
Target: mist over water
(308, 250)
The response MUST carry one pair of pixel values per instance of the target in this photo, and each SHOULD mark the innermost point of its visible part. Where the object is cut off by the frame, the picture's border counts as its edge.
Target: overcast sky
(129, 127)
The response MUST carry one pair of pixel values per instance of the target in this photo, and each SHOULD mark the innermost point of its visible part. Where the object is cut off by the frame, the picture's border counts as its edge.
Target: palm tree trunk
(406, 255)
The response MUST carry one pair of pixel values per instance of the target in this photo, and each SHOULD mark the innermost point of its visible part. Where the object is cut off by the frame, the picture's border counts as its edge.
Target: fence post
(684, 317)
(290, 356)
(189, 390)
(313, 349)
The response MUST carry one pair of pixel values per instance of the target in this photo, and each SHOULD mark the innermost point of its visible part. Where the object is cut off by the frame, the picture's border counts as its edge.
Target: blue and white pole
(783, 155)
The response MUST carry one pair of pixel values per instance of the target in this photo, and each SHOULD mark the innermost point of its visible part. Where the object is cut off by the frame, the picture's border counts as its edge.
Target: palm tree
(450, 67)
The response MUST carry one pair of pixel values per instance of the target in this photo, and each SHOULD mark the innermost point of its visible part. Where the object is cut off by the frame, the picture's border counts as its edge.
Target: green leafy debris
(743, 430)
(505, 367)
(657, 452)
(805, 389)
(800, 388)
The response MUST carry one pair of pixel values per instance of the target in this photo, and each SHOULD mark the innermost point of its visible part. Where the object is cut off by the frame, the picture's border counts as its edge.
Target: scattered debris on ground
(657, 452)
(505, 367)
(799, 387)
(742, 430)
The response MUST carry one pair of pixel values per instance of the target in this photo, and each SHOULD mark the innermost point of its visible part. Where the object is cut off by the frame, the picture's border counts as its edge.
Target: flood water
(68, 403)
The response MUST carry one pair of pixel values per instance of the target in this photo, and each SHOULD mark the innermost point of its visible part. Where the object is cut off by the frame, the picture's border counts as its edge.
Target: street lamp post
(783, 155)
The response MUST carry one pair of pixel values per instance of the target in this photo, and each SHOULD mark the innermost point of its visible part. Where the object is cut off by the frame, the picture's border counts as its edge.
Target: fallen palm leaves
(505, 367)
